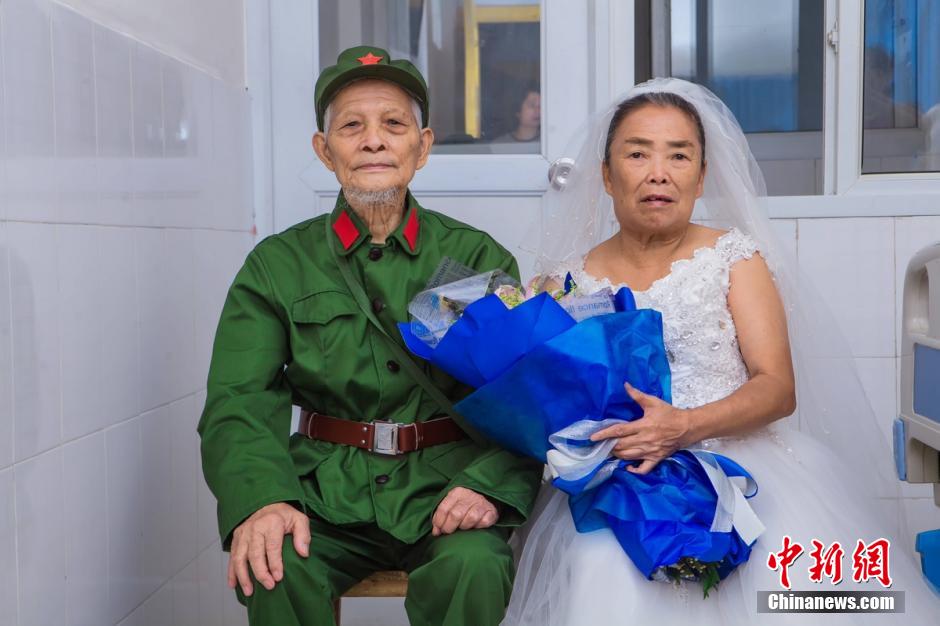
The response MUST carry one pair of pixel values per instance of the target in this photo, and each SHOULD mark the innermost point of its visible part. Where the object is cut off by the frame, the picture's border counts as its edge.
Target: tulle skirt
(566, 578)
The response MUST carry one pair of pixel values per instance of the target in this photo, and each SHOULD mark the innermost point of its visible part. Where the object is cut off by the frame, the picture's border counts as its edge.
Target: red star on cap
(369, 59)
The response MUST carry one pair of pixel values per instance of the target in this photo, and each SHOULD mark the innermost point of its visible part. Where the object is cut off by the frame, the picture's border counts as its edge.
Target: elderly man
(382, 474)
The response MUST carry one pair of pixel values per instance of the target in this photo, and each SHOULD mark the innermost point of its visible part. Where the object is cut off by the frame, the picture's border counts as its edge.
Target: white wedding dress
(566, 578)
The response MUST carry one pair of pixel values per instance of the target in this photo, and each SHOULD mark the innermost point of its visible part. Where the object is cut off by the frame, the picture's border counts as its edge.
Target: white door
(480, 58)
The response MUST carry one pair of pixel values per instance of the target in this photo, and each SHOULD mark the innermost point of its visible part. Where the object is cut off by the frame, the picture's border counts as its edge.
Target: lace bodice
(699, 334)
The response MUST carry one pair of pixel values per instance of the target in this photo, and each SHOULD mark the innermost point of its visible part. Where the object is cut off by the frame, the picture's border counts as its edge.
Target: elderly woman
(382, 475)
(726, 334)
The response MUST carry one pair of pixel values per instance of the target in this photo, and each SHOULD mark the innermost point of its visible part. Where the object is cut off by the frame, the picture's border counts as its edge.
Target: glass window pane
(901, 107)
(764, 59)
(481, 59)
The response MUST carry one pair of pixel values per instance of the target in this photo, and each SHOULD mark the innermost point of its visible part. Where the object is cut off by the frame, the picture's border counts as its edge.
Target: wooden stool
(391, 584)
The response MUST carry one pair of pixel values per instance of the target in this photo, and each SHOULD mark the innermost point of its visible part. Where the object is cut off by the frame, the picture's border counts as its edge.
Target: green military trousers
(462, 578)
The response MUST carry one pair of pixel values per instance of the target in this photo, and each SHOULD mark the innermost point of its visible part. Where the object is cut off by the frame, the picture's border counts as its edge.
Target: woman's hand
(662, 430)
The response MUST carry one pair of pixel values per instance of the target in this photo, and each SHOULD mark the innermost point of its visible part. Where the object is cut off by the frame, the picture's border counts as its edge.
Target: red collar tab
(369, 59)
(346, 230)
(410, 231)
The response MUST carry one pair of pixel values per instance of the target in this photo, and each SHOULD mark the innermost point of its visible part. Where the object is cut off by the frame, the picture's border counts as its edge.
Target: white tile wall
(41, 544)
(75, 165)
(178, 307)
(81, 359)
(230, 165)
(116, 202)
(157, 548)
(28, 109)
(6, 356)
(147, 91)
(218, 256)
(167, 309)
(877, 378)
(185, 476)
(126, 501)
(8, 570)
(113, 103)
(196, 596)
(212, 592)
(851, 262)
(85, 501)
(207, 527)
(119, 321)
(156, 342)
(185, 589)
(786, 230)
(34, 293)
(4, 191)
(158, 609)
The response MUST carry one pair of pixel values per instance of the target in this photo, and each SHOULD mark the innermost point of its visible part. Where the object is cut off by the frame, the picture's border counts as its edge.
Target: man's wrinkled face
(373, 142)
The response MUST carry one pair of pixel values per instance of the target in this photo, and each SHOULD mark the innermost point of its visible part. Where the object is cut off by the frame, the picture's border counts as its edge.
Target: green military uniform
(292, 333)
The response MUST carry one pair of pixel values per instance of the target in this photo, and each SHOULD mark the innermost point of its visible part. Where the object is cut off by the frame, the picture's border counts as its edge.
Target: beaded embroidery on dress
(565, 578)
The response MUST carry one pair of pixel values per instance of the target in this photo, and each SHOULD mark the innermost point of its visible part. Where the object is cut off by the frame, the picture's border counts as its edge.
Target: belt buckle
(385, 437)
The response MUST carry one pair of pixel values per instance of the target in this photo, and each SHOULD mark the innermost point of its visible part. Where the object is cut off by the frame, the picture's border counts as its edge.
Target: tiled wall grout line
(103, 429)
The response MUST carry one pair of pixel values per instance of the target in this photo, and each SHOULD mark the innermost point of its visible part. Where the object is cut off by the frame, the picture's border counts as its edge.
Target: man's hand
(258, 541)
(464, 509)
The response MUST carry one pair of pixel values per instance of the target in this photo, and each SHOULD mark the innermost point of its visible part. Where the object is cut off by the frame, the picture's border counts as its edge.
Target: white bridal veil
(832, 405)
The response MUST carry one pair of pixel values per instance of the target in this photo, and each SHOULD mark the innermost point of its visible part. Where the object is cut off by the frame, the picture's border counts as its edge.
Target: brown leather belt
(379, 436)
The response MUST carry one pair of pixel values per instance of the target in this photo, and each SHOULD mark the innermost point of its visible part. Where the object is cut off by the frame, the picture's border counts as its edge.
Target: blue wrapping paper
(489, 338)
(519, 359)
(576, 375)
(662, 516)
(536, 372)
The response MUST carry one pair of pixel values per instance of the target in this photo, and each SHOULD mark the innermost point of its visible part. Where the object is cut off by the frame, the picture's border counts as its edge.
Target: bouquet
(548, 364)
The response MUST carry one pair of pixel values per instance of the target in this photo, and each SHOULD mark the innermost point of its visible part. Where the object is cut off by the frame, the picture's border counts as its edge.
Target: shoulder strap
(406, 361)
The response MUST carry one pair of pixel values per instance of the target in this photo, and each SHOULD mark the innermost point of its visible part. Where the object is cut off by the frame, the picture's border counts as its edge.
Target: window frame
(846, 192)
(847, 177)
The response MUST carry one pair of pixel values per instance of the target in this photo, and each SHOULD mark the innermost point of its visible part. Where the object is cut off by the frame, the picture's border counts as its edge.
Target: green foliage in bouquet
(691, 569)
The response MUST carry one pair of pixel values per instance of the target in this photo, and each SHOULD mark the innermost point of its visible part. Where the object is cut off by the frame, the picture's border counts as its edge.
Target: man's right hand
(258, 541)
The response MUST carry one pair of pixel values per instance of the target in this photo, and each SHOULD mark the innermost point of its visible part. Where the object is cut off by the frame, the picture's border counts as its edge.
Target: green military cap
(369, 62)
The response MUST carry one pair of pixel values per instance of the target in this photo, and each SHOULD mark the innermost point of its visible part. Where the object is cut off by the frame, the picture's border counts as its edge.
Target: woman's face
(530, 112)
(655, 172)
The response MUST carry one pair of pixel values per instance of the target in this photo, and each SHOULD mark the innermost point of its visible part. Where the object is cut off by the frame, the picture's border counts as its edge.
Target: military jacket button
(375, 254)
(381, 479)
(393, 366)
(377, 305)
